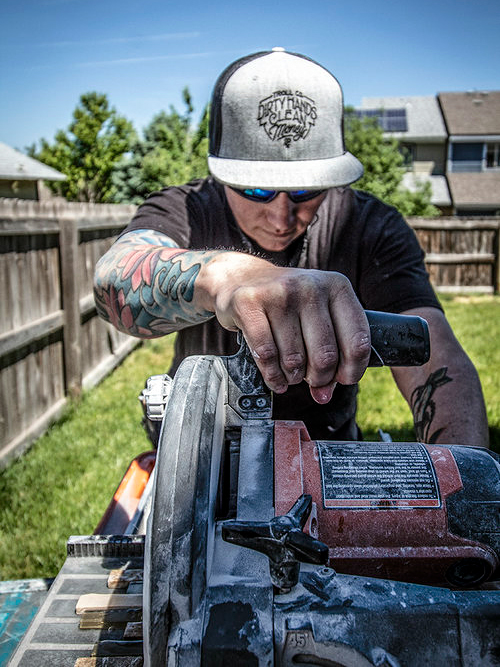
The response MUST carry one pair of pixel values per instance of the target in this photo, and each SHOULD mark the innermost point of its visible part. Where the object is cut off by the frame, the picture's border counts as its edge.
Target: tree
(88, 151)
(171, 153)
(384, 167)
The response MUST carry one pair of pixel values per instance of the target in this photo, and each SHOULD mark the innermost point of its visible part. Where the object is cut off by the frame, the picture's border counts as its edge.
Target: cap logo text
(287, 116)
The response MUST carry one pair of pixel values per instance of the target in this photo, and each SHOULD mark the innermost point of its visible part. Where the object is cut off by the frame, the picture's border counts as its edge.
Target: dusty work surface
(92, 614)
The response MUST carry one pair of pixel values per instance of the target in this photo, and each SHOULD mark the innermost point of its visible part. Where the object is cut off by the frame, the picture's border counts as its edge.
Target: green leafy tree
(384, 167)
(88, 151)
(171, 153)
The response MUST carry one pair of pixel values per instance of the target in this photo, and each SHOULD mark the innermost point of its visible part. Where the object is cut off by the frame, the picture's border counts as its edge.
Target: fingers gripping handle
(398, 340)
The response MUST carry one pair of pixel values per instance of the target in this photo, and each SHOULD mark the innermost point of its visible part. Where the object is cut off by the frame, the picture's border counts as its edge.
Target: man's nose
(280, 211)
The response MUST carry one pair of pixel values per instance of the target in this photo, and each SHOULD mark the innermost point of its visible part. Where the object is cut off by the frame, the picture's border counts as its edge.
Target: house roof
(480, 190)
(423, 115)
(440, 194)
(472, 113)
(14, 165)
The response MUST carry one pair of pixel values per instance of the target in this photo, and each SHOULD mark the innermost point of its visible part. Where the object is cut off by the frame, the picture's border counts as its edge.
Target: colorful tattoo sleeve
(144, 285)
(424, 408)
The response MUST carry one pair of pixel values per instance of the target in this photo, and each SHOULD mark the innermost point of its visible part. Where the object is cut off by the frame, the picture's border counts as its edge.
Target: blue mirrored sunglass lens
(259, 193)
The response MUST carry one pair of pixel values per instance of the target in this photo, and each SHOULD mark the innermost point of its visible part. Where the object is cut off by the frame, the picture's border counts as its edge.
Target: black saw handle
(398, 340)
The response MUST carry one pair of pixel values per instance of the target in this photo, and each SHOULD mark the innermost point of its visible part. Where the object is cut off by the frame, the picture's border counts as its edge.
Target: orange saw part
(123, 505)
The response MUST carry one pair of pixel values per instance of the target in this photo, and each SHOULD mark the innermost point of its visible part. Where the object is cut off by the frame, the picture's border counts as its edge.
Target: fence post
(69, 258)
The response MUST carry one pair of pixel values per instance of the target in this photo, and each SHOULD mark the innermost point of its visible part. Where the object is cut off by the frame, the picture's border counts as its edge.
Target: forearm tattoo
(424, 408)
(147, 289)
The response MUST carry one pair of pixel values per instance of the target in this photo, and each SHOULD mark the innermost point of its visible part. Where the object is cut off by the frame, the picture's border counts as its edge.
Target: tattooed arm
(445, 394)
(299, 323)
(144, 285)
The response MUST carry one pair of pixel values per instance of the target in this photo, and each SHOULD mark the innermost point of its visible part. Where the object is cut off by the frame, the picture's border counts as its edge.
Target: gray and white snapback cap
(276, 122)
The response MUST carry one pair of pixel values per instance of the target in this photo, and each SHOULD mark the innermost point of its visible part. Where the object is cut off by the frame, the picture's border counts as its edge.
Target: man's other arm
(445, 394)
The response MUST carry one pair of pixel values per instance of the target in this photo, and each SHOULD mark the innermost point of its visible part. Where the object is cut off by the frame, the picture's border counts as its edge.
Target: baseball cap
(276, 122)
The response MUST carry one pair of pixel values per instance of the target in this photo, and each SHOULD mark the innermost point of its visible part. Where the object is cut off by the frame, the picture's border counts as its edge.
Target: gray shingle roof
(482, 189)
(425, 121)
(472, 113)
(17, 166)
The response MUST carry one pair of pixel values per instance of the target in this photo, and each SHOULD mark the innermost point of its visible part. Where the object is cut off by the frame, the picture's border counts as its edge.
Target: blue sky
(141, 53)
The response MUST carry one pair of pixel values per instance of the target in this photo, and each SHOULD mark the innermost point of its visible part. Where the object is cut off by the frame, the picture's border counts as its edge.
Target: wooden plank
(109, 363)
(103, 601)
(122, 577)
(87, 304)
(452, 224)
(461, 289)
(21, 441)
(459, 258)
(38, 227)
(18, 338)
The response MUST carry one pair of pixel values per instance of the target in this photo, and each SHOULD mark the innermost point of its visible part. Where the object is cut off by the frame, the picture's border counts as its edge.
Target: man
(276, 245)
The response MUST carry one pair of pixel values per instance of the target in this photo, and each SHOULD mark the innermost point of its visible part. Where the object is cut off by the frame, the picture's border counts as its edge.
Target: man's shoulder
(358, 211)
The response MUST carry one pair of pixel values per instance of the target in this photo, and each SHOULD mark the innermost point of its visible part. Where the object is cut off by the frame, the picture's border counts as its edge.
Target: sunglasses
(265, 196)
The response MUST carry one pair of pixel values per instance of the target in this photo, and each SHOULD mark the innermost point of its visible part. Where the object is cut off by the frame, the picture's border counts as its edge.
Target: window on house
(492, 156)
(466, 157)
(408, 153)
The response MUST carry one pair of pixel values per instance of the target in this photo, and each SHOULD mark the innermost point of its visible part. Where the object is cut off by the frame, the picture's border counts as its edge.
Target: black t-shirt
(352, 233)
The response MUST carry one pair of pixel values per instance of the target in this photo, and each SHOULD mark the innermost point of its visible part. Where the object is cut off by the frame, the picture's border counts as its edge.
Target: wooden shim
(104, 601)
(96, 620)
(122, 577)
(133, 631)
(116, 661)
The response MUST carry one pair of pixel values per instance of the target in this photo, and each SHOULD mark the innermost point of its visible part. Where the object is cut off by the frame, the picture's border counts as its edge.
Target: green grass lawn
(62, 486)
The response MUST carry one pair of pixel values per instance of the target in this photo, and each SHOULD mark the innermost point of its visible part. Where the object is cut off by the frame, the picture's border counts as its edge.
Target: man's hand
(300, 324)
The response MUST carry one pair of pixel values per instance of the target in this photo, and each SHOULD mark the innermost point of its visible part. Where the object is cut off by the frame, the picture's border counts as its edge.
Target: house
(417, 123)
(473, 156)
(23, 177)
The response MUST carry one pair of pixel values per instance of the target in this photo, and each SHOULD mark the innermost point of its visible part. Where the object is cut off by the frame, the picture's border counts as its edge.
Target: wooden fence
(461, 254)
(52, 343)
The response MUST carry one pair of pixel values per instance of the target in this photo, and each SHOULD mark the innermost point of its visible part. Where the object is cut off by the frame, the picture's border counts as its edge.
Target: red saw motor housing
(393, 510)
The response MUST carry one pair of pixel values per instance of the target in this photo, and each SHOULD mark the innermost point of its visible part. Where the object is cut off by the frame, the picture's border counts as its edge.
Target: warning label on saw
(378, 475)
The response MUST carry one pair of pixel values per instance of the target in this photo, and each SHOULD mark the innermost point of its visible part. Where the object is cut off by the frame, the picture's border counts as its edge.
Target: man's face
(276, 224)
